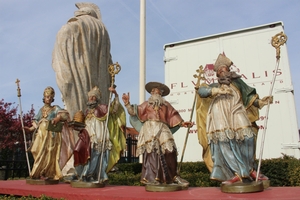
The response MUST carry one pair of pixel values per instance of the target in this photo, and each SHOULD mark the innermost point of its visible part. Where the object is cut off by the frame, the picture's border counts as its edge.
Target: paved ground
(63, 190)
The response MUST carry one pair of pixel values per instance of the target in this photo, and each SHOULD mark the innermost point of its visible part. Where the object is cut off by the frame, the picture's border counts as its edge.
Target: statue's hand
(113, 90)
(264, 101)
(187, 124)
(125, 98)
(216, 91)
(55, 120)
(27, 129)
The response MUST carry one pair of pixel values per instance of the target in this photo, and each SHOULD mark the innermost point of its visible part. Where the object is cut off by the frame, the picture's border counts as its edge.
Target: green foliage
(124, 178)
(134, 168)
(12, 197)
(283, 171)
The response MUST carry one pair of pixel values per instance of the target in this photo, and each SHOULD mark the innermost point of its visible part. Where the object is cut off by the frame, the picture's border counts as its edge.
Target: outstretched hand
(125, 98)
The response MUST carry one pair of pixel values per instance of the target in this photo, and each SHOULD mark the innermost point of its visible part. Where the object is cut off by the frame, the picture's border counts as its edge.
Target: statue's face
(155, 91)
(222, 71)
(48, 99)
(92, 98)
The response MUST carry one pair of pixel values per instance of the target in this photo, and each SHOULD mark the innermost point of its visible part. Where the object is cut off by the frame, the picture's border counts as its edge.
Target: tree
(11, 133)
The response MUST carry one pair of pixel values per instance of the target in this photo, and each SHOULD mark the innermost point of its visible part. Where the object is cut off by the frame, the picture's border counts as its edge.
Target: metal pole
(142, 49)
(277, 41)
(142, 55)
(113, 69)
(21, 117)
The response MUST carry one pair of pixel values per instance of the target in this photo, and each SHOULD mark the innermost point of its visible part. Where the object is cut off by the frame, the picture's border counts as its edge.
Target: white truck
(254, 57)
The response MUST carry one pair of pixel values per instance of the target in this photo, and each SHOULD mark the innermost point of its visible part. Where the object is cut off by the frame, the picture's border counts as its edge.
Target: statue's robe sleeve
(82, 150)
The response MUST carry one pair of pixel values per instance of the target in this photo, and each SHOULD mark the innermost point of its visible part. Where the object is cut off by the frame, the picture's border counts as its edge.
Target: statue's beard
(92, 104)
(227, 78)
(156, 100)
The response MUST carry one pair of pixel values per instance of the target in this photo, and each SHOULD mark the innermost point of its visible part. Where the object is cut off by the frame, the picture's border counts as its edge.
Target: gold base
(41, 182)
(163, 188)
(266, 184)
(243, 187)
(82, 184)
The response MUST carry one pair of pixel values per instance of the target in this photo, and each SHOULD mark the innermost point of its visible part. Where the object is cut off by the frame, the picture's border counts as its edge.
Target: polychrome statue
(156, 120)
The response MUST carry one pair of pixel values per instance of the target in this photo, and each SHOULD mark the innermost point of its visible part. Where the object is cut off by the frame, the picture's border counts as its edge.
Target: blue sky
(28, 30)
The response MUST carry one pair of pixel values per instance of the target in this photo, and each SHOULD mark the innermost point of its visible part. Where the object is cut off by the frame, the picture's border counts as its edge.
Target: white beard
(156, 100)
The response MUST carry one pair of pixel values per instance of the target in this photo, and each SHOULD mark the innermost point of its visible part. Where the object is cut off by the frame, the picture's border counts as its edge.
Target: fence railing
(16, 167)
(130, 155)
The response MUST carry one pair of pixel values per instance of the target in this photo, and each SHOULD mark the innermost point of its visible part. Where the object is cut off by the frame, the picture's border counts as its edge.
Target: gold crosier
(21, 118)
(277, 41)
(200, 76)
(113, 69)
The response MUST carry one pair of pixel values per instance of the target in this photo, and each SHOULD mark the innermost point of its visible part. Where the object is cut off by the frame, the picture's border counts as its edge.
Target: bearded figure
(226, 115)
(156, 120)
(103, 137)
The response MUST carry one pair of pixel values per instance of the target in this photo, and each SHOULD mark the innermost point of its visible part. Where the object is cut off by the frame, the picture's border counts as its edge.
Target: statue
(231, 109)
(52, 141)
(156, 120)
(101, 140)
(81, 56)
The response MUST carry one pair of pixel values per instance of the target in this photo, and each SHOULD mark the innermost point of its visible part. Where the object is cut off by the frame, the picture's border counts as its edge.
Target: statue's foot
(235, 179)
(70, 178)
(146, 182)
(261, 177)
(83, 179)
(91, 179)
(180, 181)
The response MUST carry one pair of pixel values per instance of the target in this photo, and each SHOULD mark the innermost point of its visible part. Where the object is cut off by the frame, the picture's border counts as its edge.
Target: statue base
(164, 188)
(42, 182)
(82, 184)
(243, 187)
(266, 183)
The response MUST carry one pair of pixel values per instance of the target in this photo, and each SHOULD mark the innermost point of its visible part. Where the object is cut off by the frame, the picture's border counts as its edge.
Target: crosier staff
(199, 77)
(277, 41)
(21, 117)
(113, 69)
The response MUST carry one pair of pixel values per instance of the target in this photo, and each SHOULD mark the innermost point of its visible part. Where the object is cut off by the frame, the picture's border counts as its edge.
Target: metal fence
(14, 164)
(130, 155)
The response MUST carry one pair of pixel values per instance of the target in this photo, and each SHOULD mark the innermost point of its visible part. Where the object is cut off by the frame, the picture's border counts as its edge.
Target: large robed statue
(81, 57)
(226, 115)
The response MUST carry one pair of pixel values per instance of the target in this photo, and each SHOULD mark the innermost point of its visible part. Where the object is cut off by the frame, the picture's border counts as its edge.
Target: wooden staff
(113, 69)
(21, 117)
(199, 77)
(277, 41)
